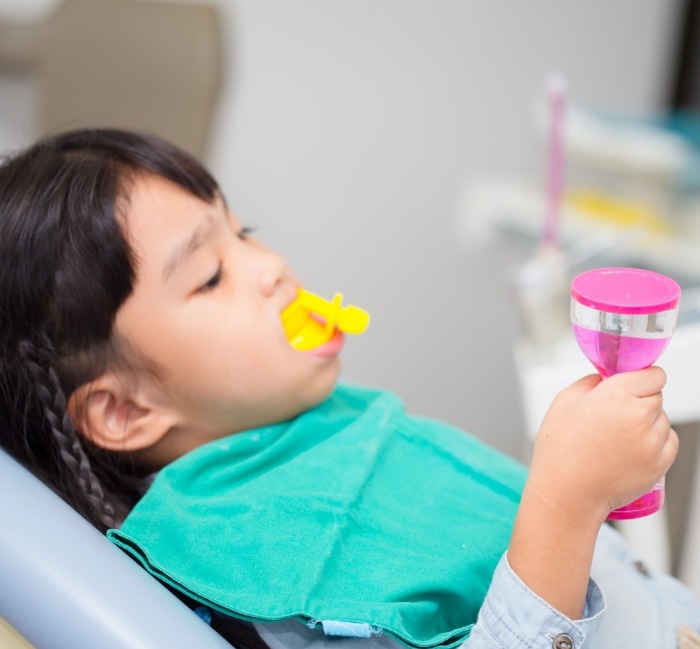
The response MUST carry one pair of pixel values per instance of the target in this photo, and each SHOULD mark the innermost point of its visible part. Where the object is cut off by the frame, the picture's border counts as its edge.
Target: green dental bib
(353, 512)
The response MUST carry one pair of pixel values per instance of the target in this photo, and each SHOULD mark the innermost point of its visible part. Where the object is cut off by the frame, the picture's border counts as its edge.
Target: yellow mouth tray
(305, 332)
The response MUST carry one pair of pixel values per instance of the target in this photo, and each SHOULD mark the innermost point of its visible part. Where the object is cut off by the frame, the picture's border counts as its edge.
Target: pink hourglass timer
(623, 319)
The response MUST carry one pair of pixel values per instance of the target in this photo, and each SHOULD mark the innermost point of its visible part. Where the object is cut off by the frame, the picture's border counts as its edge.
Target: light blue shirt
(513, 616)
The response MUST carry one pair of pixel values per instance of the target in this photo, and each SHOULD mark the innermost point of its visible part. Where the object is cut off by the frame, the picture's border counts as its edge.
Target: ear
(117, 416)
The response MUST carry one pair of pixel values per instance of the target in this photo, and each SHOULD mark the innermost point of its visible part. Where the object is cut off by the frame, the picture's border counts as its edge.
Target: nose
(273, 270)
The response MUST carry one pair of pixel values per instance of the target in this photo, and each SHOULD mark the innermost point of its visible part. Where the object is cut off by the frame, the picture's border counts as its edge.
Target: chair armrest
(65, 585)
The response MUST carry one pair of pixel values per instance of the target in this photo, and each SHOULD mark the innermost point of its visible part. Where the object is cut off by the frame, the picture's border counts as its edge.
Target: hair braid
(38, 361)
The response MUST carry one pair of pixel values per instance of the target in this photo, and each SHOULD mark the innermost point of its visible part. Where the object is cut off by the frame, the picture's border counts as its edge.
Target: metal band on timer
(634, 325)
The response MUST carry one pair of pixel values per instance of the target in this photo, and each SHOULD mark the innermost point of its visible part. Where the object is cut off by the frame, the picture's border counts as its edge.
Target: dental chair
(64, 585)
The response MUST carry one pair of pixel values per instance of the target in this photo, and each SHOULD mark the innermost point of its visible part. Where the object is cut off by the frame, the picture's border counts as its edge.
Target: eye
(213, 282)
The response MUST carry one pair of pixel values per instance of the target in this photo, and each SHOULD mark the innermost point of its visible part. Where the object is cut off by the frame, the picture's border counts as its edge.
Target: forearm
(551, 550)
(541, 594)
(514, 616)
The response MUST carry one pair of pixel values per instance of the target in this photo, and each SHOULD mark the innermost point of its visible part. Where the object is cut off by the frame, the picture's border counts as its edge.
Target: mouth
(306, 331)
(312, 323)
(331, 348)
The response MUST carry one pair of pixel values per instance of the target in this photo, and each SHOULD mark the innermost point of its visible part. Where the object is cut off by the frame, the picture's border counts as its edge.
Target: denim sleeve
(513, 617)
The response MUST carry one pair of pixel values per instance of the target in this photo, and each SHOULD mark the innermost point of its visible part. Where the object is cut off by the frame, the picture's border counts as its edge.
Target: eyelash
(215, 279)
(245, 232)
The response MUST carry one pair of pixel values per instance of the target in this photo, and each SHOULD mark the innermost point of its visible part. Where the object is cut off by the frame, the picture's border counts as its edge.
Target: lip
(331, 348)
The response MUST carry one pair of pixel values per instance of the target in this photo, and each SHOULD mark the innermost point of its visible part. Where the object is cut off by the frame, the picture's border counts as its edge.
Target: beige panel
(10, 639)
(148, 65)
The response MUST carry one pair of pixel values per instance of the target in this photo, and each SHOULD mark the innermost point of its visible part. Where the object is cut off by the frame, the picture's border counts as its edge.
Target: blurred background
(396, 151)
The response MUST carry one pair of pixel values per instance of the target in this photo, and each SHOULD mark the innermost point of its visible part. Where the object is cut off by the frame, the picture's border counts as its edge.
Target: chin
(323, 387)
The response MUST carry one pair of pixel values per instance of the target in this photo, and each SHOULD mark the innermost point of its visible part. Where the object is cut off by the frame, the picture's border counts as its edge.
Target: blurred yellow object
(621, 214)
(304, 331)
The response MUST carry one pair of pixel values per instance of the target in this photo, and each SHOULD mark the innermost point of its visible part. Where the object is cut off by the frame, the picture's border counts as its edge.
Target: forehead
(154, 202)
(157, 210)
(160, 216)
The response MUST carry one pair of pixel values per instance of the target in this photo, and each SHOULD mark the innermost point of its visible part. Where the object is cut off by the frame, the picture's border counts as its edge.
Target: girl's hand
(603, 443)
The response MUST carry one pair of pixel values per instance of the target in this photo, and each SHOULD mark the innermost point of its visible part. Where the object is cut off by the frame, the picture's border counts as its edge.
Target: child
(141, 334)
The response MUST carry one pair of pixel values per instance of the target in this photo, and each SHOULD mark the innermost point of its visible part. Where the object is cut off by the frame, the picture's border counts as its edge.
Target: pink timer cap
(625, 290)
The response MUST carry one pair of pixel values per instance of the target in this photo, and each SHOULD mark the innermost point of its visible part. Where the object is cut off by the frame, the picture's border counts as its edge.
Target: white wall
(347, 129)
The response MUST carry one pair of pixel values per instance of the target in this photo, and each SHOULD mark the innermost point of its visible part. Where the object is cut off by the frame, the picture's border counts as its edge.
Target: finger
(670, 448)
(642, 383)
(663, 429)
(655, 403)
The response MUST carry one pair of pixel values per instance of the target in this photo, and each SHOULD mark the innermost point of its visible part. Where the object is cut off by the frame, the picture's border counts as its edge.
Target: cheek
(240, 351)
(217, 351)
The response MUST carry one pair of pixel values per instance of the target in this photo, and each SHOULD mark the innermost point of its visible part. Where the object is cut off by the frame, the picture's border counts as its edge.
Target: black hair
(65, 269)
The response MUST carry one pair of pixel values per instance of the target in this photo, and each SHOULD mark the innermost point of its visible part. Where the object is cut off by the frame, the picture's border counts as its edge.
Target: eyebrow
(182, 252)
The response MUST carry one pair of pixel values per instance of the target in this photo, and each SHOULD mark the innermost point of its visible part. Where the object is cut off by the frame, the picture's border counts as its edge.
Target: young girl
(141, 333)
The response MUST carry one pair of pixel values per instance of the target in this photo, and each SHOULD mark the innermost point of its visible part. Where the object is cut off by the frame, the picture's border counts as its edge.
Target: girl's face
(206, 311)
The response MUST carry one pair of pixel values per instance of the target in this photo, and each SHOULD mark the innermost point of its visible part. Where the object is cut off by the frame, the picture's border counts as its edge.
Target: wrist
(561, 504)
